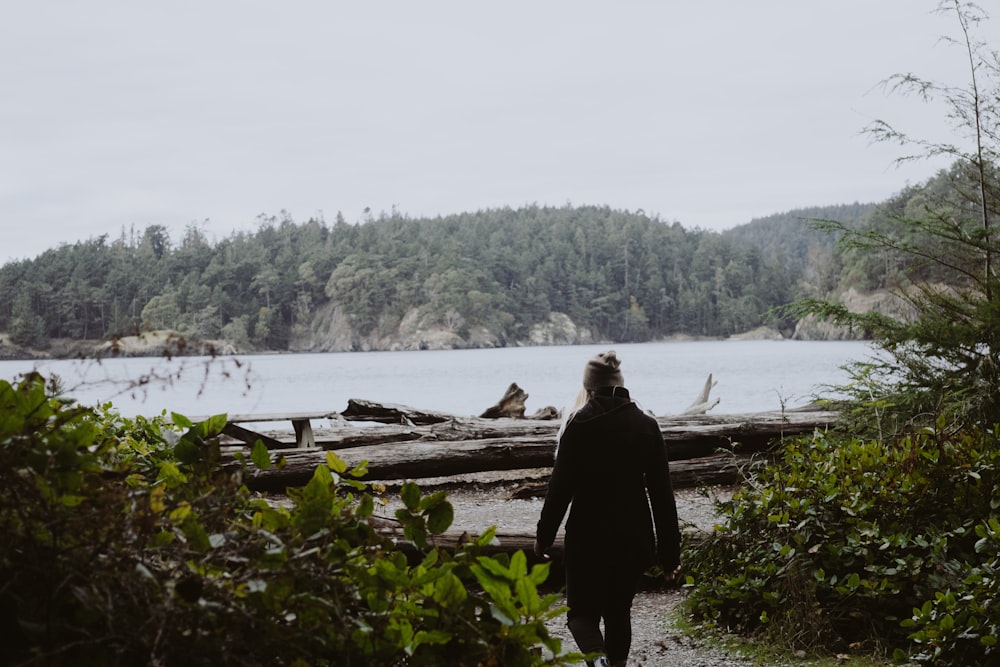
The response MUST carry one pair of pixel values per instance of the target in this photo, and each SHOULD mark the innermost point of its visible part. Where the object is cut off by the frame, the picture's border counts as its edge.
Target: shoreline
(174, 344)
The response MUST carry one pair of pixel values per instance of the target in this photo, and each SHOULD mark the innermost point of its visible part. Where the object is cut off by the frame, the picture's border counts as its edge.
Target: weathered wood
(505, 542)
(414, 460)
(301, 426)
(720, 470)
(249, 437)
(688, 436)
(511, 406)
(441, 452)
(442, 458)
(276, 416)
(695, 436)
(702, 403)
(390, 413)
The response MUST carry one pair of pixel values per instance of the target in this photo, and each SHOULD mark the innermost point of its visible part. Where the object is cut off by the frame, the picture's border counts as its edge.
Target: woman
(610, 456)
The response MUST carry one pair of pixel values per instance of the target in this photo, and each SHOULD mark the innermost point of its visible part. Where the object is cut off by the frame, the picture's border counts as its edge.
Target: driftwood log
(687, 436)
(702, 403)
(505, 542)
(719, 470)
(511, 405)
(390, 413)
(465, 446)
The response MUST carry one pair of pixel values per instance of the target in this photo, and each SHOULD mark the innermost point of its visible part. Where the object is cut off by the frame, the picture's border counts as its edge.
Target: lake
(664, 377)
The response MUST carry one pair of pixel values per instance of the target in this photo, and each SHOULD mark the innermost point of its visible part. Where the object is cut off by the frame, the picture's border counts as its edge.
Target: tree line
(623, 275)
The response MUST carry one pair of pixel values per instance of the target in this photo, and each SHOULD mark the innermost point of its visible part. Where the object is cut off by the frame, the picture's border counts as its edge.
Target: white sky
(710, 113)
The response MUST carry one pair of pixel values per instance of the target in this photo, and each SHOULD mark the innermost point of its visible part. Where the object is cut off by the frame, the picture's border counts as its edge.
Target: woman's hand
(540, 550)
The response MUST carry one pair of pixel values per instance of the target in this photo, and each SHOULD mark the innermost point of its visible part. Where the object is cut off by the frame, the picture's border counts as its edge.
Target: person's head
(603, 371)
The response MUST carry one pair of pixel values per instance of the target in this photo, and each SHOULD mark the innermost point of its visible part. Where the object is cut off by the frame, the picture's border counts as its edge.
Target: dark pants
(599, 586)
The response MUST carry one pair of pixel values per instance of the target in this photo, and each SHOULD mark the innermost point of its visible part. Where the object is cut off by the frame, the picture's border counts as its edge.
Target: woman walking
(611, 466)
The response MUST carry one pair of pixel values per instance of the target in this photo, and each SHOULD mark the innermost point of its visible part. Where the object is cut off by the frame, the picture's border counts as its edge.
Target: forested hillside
(485, 278)
(793, 237)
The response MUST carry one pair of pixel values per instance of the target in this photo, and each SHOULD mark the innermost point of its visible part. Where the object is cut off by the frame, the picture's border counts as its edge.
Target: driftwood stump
(702, 403)
(511, 405)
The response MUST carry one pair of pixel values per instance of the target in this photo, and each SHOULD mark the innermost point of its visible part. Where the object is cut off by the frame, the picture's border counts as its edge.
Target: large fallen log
(687, 436)
(414, 460)
(695, 436)
(439, 455)
(424, 459)
(720, 470)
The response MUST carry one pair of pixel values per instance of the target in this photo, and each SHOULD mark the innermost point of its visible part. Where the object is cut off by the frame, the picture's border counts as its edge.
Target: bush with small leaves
(840, 541)
(131, 542)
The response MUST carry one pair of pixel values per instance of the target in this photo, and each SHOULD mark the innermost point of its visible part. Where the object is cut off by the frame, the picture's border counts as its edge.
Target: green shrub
(129, 543)
(962, 625)
(840, 542)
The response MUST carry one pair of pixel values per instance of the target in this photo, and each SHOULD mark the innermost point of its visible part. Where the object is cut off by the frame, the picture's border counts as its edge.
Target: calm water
(665, 377)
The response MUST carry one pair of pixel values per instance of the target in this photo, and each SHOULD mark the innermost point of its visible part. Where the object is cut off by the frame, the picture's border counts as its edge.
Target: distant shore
(174, 344)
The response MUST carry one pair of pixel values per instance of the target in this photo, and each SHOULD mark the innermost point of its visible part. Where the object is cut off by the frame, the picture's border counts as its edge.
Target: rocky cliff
(882, 301)
(331, 331)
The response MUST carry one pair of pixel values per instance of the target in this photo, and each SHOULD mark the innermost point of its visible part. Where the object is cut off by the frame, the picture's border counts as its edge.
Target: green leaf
(494, 567)
(410, 494)
(495, 587)
(260, 456)
(539, 573)
(431, 637)
(488, 537)
(449, 591)
(322, 476)
(518, 565)
(366, 506)
(180, 420)
(414, 527)
(196, 535)
(433, 500)
(335, 463)
(215, 424)
(527, 596)
(439, 518)
(187, 452)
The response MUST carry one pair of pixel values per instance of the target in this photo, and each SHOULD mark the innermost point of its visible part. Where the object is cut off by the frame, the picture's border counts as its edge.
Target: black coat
(610, 456)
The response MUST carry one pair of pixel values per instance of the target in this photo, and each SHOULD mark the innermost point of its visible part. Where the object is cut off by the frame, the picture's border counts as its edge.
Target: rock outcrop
(331, 331)
(881, 301)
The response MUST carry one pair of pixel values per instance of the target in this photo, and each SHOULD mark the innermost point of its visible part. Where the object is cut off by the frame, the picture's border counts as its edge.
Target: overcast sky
(708, 113)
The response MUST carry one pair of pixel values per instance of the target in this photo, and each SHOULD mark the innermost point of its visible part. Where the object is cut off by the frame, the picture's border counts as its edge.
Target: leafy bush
(962, 625)
(843, 540)
(128, 543)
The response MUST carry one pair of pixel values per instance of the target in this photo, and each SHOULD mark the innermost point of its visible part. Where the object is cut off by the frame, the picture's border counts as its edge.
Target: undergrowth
(130, 542)
(862, 547)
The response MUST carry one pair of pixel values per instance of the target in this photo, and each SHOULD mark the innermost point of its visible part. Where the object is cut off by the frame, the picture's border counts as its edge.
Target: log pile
(412, 444)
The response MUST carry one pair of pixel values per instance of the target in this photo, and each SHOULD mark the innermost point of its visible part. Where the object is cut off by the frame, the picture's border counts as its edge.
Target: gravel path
(655, 641)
